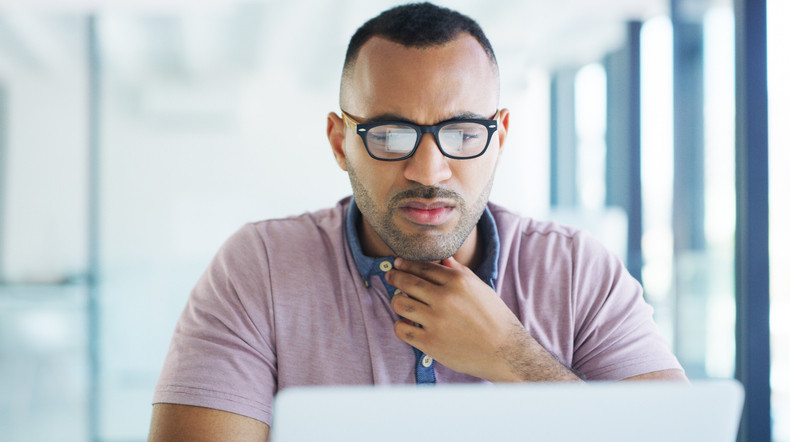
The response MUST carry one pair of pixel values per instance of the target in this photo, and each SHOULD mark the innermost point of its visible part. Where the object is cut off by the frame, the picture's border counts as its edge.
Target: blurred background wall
(136, 136)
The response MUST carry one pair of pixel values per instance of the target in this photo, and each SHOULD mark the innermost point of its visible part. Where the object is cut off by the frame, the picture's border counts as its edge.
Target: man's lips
(431, 213)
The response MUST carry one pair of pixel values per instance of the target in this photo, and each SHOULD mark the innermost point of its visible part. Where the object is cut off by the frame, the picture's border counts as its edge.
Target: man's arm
(183, 422)
(663, 375)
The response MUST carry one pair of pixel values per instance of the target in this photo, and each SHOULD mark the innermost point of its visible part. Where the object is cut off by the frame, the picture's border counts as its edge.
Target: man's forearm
(525, 360)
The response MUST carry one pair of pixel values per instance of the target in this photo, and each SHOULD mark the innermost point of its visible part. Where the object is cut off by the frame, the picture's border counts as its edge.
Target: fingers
(415, 286)
(424, 280)
(410, 308)
(430, 271)
(453, 264)
(409, 333)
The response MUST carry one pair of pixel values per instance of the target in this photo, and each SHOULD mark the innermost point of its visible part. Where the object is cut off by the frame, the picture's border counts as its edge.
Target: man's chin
(423, 248)
(423, 258)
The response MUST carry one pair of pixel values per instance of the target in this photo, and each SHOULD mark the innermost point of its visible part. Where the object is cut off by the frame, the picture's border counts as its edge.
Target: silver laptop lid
(624, 411)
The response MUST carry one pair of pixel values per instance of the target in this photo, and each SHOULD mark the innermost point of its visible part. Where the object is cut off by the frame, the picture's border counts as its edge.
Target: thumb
(452, 263)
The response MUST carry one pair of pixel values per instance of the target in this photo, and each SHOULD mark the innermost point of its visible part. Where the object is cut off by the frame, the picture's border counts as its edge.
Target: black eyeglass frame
(363, 128)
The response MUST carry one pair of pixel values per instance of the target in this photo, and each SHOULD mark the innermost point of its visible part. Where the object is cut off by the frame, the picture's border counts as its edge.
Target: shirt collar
(369, 267)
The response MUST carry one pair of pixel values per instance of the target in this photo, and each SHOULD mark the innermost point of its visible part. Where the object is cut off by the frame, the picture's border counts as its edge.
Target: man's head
(415, 25)
(424, 65)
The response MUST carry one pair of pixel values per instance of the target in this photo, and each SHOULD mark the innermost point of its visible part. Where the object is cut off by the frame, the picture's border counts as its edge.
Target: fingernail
(398, 262)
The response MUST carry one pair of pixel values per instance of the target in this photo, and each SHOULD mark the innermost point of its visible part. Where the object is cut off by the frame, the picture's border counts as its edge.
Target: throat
(471, 252)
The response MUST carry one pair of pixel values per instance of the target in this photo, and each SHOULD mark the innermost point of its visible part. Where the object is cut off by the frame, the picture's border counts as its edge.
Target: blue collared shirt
(369, 267)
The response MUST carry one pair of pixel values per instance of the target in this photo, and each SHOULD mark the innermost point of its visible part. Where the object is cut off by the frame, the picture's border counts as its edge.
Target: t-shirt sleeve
(222, 353)
(615, 334)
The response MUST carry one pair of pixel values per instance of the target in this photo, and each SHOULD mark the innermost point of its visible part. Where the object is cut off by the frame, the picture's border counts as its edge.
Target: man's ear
(335, 132)
(504, 125)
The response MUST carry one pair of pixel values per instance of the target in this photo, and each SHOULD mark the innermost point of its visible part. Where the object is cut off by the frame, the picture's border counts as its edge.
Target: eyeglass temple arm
(348, 121)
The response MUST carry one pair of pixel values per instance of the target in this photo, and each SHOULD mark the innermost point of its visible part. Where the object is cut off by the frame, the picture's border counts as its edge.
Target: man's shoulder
(292, 234)
(524, 236)
(513, 224)
(327, 219)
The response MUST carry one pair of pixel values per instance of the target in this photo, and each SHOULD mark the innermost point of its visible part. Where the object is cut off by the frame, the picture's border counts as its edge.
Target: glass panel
(590, 107)
(657, 170)
(719, 77)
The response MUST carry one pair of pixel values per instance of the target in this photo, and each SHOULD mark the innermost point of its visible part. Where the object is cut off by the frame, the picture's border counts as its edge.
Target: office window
(691, 288)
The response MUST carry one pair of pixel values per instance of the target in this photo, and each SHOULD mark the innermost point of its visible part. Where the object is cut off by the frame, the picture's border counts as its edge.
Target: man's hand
(465, 325)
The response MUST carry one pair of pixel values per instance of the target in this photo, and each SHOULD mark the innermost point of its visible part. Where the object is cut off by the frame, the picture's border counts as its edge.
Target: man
(417, 278)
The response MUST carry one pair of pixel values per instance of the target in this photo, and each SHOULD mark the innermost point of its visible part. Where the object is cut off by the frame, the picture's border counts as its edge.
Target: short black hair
(419, 25)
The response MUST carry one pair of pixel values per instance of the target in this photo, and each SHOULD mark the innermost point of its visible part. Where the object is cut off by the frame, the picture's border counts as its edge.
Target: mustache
(425, 192)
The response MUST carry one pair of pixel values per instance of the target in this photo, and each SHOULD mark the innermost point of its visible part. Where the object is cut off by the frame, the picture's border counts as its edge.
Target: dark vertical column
(689, 177)
(751, 226)
(618, 124)
(623, 139)
(635, 259)
(564, 191)
(688, 199)
(94, 103)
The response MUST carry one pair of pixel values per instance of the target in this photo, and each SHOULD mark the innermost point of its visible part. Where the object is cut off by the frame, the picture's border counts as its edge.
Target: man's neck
(471, 252)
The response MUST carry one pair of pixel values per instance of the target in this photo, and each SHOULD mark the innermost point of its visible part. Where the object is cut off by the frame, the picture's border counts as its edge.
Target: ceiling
(198, 37)
(539, 32)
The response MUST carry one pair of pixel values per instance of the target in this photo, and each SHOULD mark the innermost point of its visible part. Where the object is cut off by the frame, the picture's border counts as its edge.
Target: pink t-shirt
(283, 304)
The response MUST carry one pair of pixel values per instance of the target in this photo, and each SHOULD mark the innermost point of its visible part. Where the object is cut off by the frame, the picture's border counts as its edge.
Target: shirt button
(385, 266)
(426, 361)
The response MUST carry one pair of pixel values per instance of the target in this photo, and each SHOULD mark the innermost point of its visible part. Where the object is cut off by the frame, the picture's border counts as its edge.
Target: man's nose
(428, 166)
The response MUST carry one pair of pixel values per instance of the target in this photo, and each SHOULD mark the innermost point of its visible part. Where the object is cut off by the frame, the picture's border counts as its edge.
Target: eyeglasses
(460, 139)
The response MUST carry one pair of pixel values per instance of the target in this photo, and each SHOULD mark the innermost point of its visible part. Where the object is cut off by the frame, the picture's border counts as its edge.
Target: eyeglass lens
(392, 141)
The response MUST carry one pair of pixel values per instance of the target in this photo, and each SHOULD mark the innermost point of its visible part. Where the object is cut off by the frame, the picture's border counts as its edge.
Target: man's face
(425, 207)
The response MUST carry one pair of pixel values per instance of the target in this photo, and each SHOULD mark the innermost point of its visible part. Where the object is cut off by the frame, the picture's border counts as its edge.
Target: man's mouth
(427, 213)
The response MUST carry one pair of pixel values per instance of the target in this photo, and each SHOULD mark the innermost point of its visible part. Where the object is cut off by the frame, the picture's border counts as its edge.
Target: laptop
(596, 411)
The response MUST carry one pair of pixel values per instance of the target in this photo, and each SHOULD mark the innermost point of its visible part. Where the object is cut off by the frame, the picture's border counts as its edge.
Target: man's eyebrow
(400, 118)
